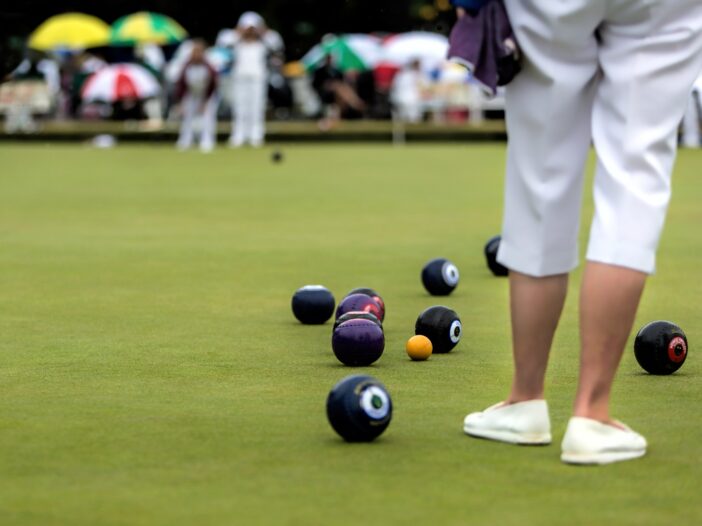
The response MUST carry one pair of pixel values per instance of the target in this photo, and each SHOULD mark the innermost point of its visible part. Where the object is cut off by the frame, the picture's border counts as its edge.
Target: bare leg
(536, 305)
(346, 96)
(608, 301)
(331, 117)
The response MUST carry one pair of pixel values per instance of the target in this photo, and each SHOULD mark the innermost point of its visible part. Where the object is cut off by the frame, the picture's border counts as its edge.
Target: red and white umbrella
(119, 82)
(430, 49)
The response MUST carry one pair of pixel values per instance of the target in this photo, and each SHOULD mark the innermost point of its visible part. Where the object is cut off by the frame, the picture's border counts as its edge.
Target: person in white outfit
(197, 92)
(693, 116)
(249, 82)
(617, 74)
(407, 93)
(36, 67)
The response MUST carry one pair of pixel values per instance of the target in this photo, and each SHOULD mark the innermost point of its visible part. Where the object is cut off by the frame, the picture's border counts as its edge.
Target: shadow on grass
(354, 368)
(658, 376)
(306, 326)
(503, 444)
(337, 441)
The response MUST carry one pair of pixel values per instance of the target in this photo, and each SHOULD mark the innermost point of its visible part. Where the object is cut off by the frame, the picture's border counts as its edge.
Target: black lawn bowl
(359, 408)
(491, 248)
(440, 277)
(313, 304)
(660, 347)
(442, 326)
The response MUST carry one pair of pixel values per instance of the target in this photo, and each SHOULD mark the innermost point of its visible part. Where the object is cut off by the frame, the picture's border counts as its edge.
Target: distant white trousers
(249, 119)
(198, 119)
(616, 73)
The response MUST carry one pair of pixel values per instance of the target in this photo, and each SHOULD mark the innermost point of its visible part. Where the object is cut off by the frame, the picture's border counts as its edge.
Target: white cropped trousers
(249, 117)
(199, 116)
(614, 73)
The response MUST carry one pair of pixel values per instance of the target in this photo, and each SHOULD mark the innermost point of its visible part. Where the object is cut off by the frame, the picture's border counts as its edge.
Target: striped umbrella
(72, 31)
(349, 52)
(146, 28)
(119, 82)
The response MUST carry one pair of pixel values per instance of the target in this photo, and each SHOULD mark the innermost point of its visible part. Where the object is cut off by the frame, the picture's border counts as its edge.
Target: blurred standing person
(249, 82)
(35, 67)
(152, 58)
(83, 65)
(407, 92)
(590, 72)
(280, 95)
(196, 91)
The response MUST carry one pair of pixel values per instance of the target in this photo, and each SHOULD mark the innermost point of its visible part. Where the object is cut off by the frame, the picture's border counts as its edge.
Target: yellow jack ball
(419, 348)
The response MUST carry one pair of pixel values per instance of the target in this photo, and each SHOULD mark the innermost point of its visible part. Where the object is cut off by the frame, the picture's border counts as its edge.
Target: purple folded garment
(486, 45)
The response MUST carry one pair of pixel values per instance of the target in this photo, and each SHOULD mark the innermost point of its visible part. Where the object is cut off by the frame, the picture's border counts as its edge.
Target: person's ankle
(516, 398)
(517, 395)
(599, 414)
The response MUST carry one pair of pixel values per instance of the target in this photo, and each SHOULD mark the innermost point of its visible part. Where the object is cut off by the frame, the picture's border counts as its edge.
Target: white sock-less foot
(524, 423)
(588, 441)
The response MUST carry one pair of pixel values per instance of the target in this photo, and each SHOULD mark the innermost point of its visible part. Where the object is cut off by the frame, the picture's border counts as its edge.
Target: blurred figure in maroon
(196, 92)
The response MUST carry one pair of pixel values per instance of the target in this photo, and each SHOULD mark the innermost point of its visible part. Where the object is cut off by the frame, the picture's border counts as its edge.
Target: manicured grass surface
(151, 372)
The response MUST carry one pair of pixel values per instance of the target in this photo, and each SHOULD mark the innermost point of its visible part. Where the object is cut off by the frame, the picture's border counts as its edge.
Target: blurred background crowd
(286, 62)
(161, 63)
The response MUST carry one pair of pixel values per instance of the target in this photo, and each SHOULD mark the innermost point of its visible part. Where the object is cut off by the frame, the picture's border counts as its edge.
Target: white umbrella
(120, 81)
(429, 48)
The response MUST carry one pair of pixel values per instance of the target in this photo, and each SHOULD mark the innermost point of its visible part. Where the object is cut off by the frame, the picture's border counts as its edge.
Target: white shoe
(588, 441)
(524, 423)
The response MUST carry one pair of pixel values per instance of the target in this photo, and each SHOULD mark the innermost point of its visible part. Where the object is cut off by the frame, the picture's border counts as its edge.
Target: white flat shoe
(588, 441)
(523, 423)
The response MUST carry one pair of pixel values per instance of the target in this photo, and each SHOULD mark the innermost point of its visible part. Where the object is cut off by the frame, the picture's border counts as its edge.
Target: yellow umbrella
(70, 31)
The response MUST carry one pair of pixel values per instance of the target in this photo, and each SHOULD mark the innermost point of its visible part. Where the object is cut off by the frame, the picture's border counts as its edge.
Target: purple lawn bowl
(358, 342)
(358, 303)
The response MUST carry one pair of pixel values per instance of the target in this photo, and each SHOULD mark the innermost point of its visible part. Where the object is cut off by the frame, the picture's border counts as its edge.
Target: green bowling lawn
(151, 372)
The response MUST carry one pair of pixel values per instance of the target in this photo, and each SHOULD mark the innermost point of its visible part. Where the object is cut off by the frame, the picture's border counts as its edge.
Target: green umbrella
(349, 52)
(146, 28)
